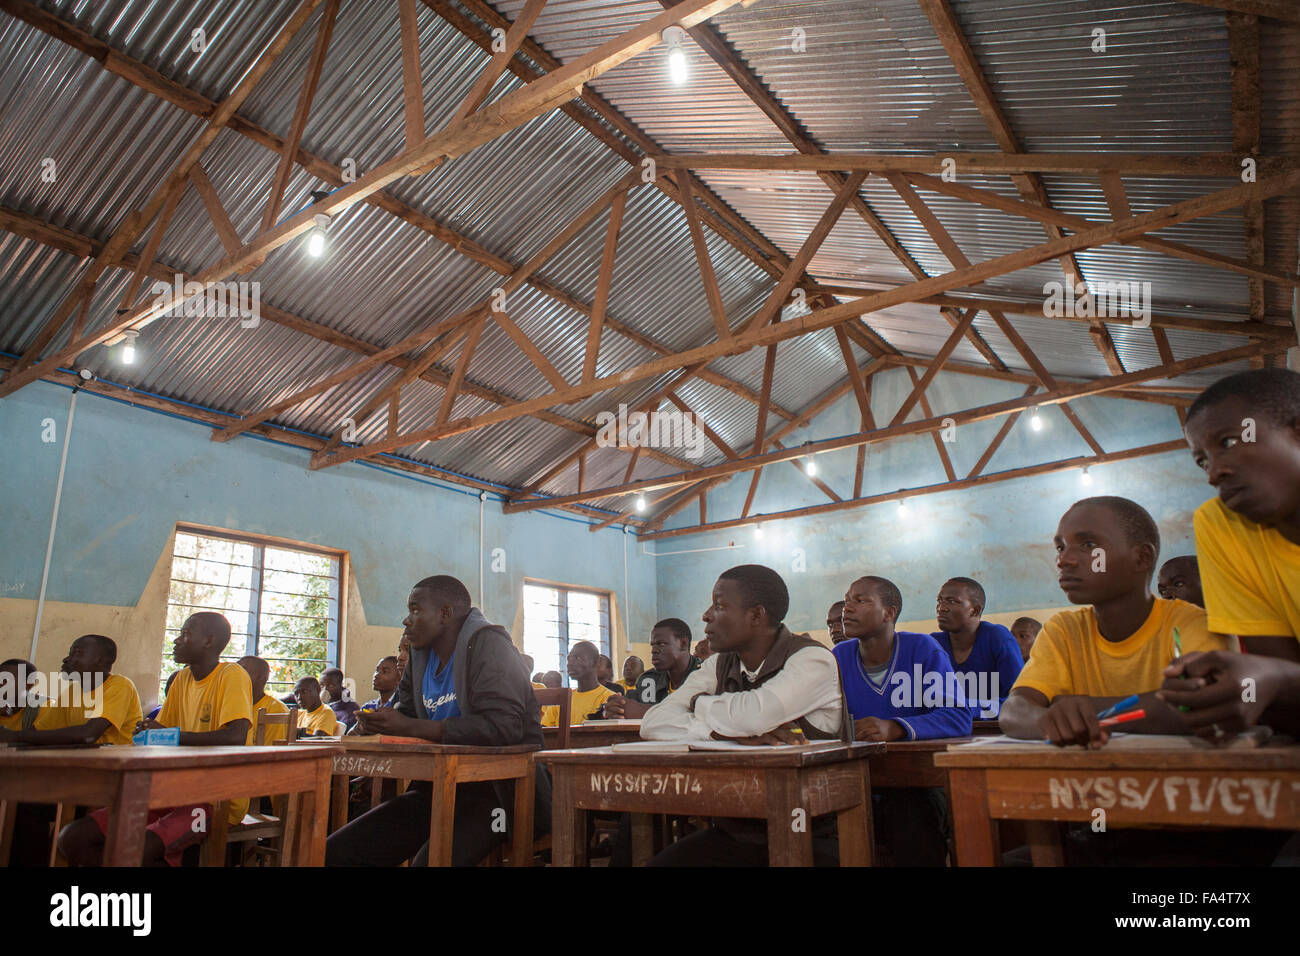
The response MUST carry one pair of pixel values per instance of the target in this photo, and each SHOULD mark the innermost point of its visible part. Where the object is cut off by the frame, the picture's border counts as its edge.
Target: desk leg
(789, 837)
(8, 811)
(308, 846)
(568, 823)
(291, 817)
(642, 838)
(975, 834)
(338, 805)
(62, 817)
(521, 850)
(1045, 842)
(855, 826)
(128, 813)
(442, 815)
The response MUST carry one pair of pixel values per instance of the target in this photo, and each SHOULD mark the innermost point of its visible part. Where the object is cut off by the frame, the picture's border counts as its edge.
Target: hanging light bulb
(640, 503)
(810, 466)
(678, 69)
(758, 532)
(902, 506)
(1084, 477)
(316, 244)
(1036, 421)
(128, 347)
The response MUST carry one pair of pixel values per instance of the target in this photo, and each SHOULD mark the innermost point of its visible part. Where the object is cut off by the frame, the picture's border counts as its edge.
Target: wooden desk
(985, 728)
(445, 765)
(759, 783)
(593, 735)
(130, 781)
(1152, 786)
(910, 763)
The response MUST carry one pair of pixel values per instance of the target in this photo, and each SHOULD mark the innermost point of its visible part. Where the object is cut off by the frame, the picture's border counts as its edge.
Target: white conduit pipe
(482, 498)
(54, 520)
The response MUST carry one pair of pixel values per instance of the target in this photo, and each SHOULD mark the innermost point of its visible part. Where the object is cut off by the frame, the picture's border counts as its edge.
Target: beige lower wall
(138, 631)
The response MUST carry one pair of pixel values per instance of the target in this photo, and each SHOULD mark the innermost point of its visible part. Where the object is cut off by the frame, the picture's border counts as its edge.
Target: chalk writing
(675, 782)
(366, 766)
(1231, 795)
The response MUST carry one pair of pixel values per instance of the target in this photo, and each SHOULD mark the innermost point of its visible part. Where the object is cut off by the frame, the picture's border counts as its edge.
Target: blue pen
(1115, 708)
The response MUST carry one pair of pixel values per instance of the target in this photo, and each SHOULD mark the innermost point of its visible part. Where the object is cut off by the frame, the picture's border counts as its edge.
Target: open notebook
(685, 746)
(1254, 737)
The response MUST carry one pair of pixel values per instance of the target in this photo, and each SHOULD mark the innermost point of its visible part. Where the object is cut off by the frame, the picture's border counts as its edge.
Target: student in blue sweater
(899, 686)
(985, 655)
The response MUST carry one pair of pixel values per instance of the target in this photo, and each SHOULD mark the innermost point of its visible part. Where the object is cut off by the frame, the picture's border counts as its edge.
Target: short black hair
(761, 586)
(446, 591)
(1185, 560)
(681, 630)
(1276, 391)
(973, 588)
(839, 603)
(215, 624)
(1139, 527)
(20, 662)
(887, 591)
(585, 645)
(390, 657)
(307, 680)
(105, 646)
(333, 670)
(1037, 625)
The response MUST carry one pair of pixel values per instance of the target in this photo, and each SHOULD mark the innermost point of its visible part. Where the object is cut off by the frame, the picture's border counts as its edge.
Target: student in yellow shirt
(314, 718)
(589, 694)
(259, 672)
(94, 705)
(19, 707)
(211, 703)
(1086, 660)
(1244, 433)
(633, 668)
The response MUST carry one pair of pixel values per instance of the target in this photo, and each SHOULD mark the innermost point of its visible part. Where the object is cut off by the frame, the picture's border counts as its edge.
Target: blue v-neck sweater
(919, 689)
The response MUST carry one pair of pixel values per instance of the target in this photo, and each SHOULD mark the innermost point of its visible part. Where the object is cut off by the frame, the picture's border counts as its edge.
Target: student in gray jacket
(465, 684)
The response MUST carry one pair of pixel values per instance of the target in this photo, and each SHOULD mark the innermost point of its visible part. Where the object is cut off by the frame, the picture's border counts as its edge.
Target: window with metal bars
(282, 602)
(556, 617)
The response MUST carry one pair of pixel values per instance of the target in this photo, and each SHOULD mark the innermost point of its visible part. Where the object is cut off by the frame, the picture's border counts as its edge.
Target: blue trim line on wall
(389, 471)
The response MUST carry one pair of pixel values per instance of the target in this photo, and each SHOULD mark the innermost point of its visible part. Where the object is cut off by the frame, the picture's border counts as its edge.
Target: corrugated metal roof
(872, 75)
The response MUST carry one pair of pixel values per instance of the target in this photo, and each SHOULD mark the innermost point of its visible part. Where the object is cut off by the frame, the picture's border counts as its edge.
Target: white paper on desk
(733, 745)
(995, 739)
(652, 746)
(622, 723)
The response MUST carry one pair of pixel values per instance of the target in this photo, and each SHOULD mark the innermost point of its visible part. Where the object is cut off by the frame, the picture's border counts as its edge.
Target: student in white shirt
(762, 684)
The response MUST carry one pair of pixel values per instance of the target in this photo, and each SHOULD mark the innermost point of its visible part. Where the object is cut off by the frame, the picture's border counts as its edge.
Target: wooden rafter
(939, 444)
(183, 98)
(1243, 57)
(981, 413)
(1007, 424)
(310, 80)
(412, 79)
(1067, 464)
(1011, 163)
(936, 365)
(992, 200)
(65, 240)
(487, 124)
(221, 224)
(1122, 231)
(709, 433)
(711, 292)
(604, 280)
(462, 366)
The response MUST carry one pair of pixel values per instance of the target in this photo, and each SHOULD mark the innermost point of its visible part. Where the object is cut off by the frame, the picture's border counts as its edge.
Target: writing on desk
(675, 782)
(1232, 795)
(366, 766)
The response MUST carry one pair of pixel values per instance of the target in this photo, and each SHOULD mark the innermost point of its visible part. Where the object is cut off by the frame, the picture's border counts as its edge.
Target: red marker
(1123, 718)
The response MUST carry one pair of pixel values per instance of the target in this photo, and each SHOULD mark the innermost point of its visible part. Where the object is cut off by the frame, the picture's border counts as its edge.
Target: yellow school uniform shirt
(583, 703)
(274, 732)
(1071, 657)
(115, 700)
(627, 688)
(537, 685)
(322, 719)
(1250, 574)
(201, 706)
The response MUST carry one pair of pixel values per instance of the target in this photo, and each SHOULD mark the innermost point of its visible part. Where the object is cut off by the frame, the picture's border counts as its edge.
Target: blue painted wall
(132, 474)
(1000, 534)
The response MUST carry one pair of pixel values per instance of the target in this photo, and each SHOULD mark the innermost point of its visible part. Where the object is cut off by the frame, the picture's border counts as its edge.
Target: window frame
(334, 640)
(563, 624)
